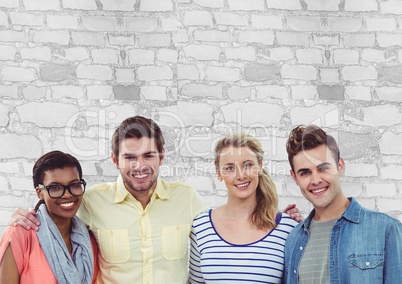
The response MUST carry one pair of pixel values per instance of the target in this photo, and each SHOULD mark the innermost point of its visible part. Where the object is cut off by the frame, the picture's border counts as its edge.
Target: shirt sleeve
(195, 275)
(84, 213)
(198, 204)
(17, 237)
(393, 254)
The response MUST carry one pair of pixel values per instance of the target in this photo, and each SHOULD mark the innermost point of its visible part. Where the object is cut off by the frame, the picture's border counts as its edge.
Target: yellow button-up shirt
(137, 245)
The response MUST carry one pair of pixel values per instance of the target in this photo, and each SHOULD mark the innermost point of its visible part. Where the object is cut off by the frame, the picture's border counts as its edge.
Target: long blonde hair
(264, 213)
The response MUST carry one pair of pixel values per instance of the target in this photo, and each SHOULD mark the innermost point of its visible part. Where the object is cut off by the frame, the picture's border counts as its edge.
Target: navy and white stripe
(213, 260)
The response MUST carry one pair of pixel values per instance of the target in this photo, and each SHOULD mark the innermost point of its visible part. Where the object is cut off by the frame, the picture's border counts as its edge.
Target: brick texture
(72, 70)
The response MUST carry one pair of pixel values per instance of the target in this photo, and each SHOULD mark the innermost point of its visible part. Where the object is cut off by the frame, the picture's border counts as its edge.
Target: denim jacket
(366, 247)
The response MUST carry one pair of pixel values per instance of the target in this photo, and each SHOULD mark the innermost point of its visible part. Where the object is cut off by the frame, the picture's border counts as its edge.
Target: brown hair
(265, 210)
(309, 137)
(137, 127)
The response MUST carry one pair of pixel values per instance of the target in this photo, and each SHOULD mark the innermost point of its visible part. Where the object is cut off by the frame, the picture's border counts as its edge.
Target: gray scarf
(67, 269)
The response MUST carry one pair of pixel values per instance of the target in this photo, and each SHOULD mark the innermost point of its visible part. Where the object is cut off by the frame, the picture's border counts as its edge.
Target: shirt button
(294, 271)
(301, 248)
(367, 263)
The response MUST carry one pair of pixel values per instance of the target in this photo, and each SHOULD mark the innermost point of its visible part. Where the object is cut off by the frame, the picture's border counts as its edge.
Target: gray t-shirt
(314, 263)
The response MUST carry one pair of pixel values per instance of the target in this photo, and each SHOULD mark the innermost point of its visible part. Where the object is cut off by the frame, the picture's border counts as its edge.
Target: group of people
(138, 229)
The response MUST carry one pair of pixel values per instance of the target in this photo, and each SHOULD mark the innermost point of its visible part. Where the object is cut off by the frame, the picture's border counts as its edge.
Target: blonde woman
(243, 240)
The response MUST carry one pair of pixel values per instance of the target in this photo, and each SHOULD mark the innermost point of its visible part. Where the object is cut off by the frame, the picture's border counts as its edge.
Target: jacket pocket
(114, 245)
(366, 268)
(367, 261)
(175, 241)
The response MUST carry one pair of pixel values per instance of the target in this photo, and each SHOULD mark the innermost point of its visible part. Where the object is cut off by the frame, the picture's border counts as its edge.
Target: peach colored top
(31, 261)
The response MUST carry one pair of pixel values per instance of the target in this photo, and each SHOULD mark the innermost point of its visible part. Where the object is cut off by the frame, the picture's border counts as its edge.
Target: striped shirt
(314, 264)
(214, 260)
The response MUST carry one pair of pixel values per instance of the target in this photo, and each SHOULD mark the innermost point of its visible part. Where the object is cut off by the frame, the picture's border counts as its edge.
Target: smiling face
(318, 175)
(138, 163)
(239, 169)
(66, 206)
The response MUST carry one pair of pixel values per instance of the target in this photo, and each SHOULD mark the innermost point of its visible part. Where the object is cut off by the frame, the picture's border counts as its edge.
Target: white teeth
(319, 190)
(140, 176)
(67, 204)
(242, 185)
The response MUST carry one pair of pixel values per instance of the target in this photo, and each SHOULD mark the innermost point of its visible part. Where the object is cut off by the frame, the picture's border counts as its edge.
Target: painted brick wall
(70, 71)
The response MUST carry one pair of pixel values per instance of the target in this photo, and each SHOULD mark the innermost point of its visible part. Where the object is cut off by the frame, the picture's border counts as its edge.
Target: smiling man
(340, 241)
(141, 222)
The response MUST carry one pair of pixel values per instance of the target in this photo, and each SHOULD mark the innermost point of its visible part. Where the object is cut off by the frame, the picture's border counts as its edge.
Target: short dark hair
(51, 161)
(309, 137)
(137, 127)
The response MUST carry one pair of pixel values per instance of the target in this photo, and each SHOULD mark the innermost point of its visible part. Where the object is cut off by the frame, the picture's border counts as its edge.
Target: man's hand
(25, 219)
(293, 212)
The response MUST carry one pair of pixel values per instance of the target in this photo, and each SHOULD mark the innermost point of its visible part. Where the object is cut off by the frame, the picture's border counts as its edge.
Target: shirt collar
(352, 213)
(160, 190)
(121, 191)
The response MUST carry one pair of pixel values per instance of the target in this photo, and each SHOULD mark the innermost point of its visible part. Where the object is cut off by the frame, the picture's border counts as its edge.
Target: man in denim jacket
(340, 241)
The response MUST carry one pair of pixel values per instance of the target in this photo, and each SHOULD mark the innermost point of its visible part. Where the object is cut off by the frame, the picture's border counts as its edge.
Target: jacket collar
(352, 213)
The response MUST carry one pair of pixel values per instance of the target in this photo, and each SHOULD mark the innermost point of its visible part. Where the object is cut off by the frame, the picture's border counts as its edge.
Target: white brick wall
(72, 70)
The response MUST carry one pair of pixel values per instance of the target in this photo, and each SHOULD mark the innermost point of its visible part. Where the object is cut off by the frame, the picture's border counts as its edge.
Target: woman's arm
(8, 268)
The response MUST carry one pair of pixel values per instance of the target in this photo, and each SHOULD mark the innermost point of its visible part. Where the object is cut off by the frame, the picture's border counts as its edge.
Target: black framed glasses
(58, 190)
